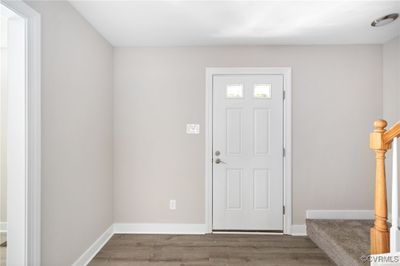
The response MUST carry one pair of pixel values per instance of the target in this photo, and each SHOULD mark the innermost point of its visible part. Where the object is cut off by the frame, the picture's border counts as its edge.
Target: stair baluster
(380, 232)
(394, 229)
(381, 141)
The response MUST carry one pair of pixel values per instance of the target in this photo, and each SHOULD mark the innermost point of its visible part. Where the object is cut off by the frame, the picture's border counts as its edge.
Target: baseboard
(3, 227)
(156, 228)
(91, 252)
(298, 230)
(340, 214)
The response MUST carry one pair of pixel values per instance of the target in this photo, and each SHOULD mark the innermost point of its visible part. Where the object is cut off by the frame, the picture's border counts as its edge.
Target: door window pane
(234, 91)
(262, 91)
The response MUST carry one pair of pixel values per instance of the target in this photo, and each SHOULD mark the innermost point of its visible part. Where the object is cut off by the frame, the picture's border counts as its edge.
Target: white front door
(248, 152)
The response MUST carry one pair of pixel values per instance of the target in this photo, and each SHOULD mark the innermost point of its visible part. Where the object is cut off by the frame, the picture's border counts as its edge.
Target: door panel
(234, 188)
(247, 152)
(261, 188)
(234, 131)
(261, 131)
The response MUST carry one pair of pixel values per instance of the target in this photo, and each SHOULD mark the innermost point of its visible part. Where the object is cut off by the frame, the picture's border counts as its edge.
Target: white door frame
(287, 131)
(32, 195)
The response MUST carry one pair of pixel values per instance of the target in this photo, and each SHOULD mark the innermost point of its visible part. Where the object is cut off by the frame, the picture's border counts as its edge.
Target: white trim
(156, 228)
(287, 173)
(33, 178)
(91, 252)
(340, 214)
(287, 143)
(3, 227)
(298, 230)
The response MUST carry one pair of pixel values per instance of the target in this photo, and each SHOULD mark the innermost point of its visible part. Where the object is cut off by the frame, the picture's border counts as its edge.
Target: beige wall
(391, 81)
(337, 94)
(391, 95)
(76, 133)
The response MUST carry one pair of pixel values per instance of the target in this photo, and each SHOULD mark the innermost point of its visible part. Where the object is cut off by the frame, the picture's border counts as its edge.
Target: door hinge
(284, 210)
(284, 95)
(284, 152)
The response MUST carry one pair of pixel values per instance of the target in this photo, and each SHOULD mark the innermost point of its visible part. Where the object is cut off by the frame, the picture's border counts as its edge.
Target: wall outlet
(192, 129)
(172, 204)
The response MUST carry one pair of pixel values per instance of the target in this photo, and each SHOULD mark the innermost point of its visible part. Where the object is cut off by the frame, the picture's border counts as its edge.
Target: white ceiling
(186, 23)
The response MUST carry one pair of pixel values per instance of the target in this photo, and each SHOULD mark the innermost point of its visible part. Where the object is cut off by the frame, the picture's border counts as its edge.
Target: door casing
(287, 136)
(32, 196)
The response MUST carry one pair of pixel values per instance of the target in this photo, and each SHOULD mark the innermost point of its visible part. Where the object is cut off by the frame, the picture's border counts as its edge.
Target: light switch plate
(192, 129)
(172, 204)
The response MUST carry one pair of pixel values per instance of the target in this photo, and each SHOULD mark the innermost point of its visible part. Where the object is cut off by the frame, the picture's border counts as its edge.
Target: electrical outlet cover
(192, 129)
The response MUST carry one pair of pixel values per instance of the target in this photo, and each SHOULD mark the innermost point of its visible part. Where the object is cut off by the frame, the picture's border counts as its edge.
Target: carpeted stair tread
(344, 241)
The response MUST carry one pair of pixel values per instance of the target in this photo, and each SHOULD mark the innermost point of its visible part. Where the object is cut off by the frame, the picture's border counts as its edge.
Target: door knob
(218, 161)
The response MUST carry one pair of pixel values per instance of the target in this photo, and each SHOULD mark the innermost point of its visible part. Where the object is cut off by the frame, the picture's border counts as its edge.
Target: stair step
(344, 241)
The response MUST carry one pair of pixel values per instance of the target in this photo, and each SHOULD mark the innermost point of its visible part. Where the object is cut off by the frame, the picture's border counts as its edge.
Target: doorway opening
(248, 150)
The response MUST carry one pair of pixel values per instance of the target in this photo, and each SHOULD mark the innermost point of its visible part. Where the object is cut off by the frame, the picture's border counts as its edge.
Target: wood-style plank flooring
(215, 249)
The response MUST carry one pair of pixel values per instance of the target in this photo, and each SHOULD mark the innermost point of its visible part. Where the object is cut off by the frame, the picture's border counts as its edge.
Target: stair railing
(381, 141)
(394, 229)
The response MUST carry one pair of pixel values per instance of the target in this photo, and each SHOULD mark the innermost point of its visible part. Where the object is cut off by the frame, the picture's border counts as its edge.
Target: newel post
(380, 233)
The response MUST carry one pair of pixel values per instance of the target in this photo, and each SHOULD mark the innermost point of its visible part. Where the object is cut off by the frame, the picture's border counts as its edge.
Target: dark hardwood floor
(215, 249)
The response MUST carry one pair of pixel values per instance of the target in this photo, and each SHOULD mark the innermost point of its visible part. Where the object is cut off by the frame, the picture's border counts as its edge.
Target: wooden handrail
(392, 133)
(380, 142)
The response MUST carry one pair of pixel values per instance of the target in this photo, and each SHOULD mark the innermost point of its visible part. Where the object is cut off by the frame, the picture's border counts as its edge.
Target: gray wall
(391, 81)
(391, 96)
(76, 133)
(337, 94)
